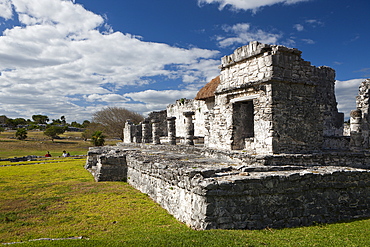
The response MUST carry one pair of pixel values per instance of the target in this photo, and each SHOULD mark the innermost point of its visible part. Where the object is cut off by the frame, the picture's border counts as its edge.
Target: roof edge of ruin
(208, 91)
(254, 48)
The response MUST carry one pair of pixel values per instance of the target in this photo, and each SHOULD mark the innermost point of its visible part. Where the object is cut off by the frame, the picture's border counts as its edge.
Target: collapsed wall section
(199, 108)
(362, 105)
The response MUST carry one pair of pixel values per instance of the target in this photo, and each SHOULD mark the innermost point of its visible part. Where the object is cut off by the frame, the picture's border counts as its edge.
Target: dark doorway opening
(243, 121)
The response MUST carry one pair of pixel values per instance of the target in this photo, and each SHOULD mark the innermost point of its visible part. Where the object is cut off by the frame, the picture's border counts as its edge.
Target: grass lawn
(58, 198)
(38, 144)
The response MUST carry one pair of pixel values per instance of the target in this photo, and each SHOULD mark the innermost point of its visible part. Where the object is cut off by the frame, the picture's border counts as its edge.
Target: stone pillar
(189, 128)
(171, 128)
(137, 129)
(362, 103)
(145, 131)
(355, 126)
(155, 132)
(127, 132)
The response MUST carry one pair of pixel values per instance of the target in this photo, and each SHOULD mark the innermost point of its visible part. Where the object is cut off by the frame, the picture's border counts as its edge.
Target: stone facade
(200, 109)
(362, 119)
(271, 101)
(208, 189)
(274, 154)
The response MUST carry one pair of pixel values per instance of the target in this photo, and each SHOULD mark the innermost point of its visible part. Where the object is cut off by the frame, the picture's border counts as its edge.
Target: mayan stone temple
(261, 145)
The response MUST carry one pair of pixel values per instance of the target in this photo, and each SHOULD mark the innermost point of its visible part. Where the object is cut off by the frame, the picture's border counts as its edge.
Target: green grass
(38, 144)
(59, 199)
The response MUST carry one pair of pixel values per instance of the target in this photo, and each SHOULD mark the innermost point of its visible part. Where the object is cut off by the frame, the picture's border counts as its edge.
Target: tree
(40, 119)
(54, 131)
(76, 125)
(63, 120)
(113, 120)
(21, 134)
(98, 139)
(85, 123)
(3, 119)
(56, 122)
(13, 123)
(90, 130)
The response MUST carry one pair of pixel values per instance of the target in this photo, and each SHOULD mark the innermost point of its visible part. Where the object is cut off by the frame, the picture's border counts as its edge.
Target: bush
(21, 134)
(98, 139)
(54, 131)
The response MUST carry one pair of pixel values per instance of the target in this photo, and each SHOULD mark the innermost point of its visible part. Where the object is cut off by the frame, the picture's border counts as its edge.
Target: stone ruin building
(261, 145)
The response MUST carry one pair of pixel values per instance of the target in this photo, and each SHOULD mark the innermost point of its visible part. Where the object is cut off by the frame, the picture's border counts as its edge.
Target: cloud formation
(346, 92)
(247, 4)
(61, 56)
(299, 27)
(242, 33)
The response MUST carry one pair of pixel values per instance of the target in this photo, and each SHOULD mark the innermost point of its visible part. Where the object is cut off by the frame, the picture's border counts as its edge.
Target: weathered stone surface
(360, 122)
(274, 152)
(289, 104)
(209, 189)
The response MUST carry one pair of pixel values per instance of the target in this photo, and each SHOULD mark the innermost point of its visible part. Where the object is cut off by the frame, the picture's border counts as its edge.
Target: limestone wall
(222, 121)
(294, 105)
(242, 191)
(160, 117)
(297, 199)
(362, 104)
(132, 133)
(297, 121)
(199, 107)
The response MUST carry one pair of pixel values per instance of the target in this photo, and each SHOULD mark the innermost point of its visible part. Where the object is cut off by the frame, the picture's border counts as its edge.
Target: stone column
(137, 129)
(127, 132)
(171, 129)
(155, 131)
(355, 127)
(145, 131)
(189, 128)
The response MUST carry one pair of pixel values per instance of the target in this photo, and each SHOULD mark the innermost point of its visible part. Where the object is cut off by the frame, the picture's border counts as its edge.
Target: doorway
(243, 123)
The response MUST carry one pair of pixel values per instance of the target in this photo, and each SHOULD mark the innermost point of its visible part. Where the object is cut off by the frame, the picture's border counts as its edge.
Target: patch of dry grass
(38, 144)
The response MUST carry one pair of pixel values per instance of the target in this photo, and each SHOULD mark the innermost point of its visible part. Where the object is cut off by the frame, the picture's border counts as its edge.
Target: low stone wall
(225, 192)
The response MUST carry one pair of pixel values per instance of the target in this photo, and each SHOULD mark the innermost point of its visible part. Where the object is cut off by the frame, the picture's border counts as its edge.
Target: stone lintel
(245, 98)
(189, 113)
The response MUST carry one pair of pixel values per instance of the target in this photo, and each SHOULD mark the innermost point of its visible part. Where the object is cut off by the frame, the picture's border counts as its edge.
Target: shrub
(21, 134)
(98, 139)
(54, 131)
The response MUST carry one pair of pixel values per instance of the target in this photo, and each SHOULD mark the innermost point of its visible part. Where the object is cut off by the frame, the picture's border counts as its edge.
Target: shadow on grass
(8, 140)
(66, 142)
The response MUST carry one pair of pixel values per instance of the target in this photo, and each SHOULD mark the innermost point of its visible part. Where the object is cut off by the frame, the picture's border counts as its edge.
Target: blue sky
(72, 58)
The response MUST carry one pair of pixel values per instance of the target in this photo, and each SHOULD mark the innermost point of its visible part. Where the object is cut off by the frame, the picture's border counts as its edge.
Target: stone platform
(208, 189)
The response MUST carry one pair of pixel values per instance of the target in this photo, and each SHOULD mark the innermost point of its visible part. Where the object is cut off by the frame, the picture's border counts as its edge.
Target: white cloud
(314, 22)
(309, 41)
(247, 4)
(105, 98)
(160, 97)
(299, 27)
(346, 92)
(242, 33)
(158, 100)
(6, 10)
(50, 62)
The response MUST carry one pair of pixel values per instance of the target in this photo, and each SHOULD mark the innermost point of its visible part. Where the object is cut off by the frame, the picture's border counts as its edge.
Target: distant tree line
(109, 120)
(38, 122)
